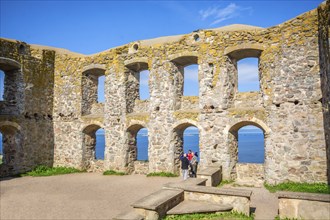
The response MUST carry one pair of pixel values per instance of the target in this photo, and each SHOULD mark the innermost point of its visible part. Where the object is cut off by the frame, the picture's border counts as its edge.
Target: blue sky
(89, 27)
(92, 26)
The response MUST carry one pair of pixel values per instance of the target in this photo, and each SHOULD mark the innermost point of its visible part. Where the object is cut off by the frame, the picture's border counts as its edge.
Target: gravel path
(94, 196)
(74, 196)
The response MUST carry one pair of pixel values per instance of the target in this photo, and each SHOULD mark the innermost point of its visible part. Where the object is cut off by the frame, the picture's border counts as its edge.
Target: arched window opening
(191, 84)
(144, 85)
(251, 145)
(142, 143)
(137, 83)
(137, 148)
(100, 144)
(185, 137)
(248, 75)
(10, 153)
(191, 140)
(92, 90)
(100, 89)
(93, 146)
(2, 85)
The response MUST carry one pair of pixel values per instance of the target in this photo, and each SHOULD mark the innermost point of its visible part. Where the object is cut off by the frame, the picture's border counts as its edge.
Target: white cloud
(248, 72)
(218, 14)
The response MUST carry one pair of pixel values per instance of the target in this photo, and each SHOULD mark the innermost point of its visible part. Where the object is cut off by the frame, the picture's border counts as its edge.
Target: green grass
(299, 187)
(163, 174)
(224, 182)
(113, 172)
(278, 218)
(213, 216)
(51, 171)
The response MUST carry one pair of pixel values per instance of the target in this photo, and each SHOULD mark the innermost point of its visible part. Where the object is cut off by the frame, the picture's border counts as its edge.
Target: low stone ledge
(212, 174)
(155, 205)
(239, 199)
(132, 215)
(184, 183)
(191, 207)
(141, 167)
(250, 174)
(304, 196)
(219, 191)
(303, 205)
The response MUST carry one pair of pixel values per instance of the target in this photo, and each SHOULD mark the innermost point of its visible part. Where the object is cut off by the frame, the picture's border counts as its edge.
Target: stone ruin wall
(58, 114)
(26, 115)
(324, 59)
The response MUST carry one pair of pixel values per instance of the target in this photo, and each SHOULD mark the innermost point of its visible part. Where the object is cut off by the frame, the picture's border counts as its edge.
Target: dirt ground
(93, 196)
(74, 196)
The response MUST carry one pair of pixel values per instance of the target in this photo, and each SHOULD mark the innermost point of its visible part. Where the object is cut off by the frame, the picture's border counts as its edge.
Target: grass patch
(163, 174)
(212, 216)
(278, 218)
(225, 182)
(113, 172)
(299, 187)
(51, 171)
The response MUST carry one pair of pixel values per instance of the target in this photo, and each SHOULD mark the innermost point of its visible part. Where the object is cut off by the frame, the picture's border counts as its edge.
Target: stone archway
(11, 142)
(88, 146)
(177, 142)
(245, 173)
(132, 150)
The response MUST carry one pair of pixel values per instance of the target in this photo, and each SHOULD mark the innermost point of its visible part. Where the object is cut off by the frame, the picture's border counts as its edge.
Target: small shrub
(51, 171)
(113, 172)
(163, 174)
(211, 216)
(299, 187)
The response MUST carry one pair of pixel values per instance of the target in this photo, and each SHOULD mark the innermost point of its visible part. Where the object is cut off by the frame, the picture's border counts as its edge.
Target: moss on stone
(248, 112)
(191, 99)
(193, 115)
(138, 117)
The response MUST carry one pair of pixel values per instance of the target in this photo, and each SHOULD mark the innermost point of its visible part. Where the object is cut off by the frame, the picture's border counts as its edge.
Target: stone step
(190, 207)
(184, 183)
(131, 215)
(160, 198)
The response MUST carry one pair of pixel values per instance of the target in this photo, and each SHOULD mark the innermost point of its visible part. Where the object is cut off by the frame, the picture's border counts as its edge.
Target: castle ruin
(50, 112)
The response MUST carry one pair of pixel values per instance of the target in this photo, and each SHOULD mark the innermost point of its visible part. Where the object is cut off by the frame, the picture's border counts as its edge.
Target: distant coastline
(251, 144)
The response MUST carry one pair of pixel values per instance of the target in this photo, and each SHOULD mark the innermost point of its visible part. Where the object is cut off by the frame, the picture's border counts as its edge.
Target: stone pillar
(166, 85)
(116, 153)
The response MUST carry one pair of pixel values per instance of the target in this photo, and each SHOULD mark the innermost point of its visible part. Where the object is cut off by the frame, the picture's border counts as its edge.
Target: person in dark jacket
(184, 166)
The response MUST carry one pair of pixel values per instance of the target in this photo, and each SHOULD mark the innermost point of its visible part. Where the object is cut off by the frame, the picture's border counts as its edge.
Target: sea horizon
(250, 145)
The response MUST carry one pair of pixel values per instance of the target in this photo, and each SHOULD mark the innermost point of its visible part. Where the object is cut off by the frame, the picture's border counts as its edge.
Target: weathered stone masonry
(50, 112)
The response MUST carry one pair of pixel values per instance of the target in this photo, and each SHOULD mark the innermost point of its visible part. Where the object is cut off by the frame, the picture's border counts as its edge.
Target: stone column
(166, 85)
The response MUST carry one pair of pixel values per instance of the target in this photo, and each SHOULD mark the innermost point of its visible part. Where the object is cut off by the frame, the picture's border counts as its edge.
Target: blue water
(250, 145)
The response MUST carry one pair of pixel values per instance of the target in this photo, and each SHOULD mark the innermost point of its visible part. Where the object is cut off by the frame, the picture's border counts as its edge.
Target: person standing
(190, 155)
(184, 166)
(194, 164)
